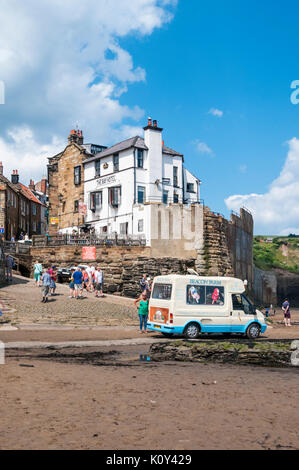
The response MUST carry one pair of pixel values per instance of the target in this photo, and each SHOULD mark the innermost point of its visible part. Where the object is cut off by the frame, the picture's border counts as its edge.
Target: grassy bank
(276, 252)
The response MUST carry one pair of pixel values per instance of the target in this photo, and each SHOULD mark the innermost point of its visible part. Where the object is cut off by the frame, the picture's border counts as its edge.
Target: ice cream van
(189, 305)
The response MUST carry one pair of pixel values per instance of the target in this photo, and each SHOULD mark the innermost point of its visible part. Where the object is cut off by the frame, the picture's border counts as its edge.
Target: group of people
(22, 237)
(90, 279)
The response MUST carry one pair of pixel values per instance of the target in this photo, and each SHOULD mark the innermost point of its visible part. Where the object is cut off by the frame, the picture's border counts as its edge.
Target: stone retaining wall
(228, 246)
(123, 267)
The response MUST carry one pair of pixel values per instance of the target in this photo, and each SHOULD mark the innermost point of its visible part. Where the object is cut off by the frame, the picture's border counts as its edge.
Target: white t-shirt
(89, 271)
(98, 277)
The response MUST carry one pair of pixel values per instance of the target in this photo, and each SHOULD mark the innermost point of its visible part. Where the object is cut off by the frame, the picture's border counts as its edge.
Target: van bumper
(175, 330)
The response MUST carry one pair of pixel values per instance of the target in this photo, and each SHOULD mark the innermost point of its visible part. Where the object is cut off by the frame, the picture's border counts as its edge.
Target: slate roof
(133, 142)
(136, 142)
(169, 151)
(12, 186)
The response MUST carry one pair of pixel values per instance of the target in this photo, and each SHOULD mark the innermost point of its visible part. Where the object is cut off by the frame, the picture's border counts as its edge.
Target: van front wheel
(253, 331)
(192, 331)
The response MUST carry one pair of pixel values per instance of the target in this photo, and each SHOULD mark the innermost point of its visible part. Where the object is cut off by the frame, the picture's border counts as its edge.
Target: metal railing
(16, 248)
(89, 240)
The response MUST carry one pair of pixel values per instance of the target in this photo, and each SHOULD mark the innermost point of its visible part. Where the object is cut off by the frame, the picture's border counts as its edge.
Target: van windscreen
(162, 291)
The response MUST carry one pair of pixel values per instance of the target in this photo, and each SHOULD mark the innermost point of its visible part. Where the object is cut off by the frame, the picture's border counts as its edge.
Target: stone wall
(239, 233)
(62, 191)
(191, 237)
(265, 287)
(287, 287)
(273, 287)
(176, 230)
(214, 257)
(227, 247)
(123, 267)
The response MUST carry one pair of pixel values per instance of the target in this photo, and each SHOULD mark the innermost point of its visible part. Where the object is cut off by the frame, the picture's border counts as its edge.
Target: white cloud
(56, 69)
(277, 210)
(202, 147)
(21, 151)
(216, 112)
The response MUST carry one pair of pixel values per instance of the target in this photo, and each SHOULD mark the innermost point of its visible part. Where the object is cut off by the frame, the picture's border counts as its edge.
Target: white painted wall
(156, 167)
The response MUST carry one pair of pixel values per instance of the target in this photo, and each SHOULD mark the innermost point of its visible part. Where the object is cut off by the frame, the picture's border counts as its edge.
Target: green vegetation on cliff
(276, 252)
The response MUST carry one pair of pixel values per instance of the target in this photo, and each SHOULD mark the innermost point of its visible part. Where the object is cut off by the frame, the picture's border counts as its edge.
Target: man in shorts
(78, 283)
(89, 272)
(287, 312)
(99, 278)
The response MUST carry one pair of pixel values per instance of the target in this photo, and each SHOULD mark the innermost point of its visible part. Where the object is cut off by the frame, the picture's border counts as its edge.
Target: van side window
(205, 295)
(196, 295)
(162, 291)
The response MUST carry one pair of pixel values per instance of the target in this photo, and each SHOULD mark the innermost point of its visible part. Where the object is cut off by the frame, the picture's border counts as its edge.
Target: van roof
(192, 276)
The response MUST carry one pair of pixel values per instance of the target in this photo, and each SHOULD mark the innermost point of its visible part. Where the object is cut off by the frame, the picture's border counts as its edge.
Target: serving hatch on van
(191, 305)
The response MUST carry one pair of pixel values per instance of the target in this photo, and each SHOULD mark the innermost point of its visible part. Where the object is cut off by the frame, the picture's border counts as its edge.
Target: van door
(241, 313)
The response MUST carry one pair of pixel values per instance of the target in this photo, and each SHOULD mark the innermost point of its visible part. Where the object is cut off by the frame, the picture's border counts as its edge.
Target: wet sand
(61, 404)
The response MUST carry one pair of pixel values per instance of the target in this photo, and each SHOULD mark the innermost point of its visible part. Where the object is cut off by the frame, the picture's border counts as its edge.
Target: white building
(123, 182)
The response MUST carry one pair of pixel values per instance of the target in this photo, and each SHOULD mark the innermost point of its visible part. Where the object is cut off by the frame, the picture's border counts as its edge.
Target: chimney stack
(76, 137)
(15, 177)
(31, 185)
(44, 185)
(1, 168)
(152, 124)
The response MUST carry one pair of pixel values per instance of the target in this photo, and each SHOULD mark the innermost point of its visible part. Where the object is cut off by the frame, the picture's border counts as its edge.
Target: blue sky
(239, 59)
(216, 76)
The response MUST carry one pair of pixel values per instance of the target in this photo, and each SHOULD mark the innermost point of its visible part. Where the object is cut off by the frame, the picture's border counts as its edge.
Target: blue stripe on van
(178, 330)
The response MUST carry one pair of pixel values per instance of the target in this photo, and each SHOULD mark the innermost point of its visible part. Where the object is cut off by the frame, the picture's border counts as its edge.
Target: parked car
(64, 274)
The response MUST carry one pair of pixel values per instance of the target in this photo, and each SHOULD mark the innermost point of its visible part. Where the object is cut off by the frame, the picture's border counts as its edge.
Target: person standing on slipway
(287, 312)
(38, 271)
(9, 263)
(46, 283)
(142, 305)
(78, 283)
